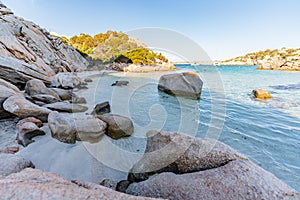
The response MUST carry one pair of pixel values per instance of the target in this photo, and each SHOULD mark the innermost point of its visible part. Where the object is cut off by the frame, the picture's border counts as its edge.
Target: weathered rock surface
(192, 168)
(68, 129)
(179, 153)
(45, 98)
(261, 94)
(111, 184)
(35, 184)
(186, 84)
(44, 54)
(6, 90)
(23, 108)
(66, 80)
(37, 122)
(19, 72)
(37, 87)
(66, 106)
(117, 126)
(238, 179)
(101, 108)
(27, 131)
(10, 163)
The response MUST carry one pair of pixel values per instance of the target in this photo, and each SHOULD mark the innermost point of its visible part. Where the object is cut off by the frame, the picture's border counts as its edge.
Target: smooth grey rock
(101, 108)
(66, 80)
(62, 128)
(37, 122)
(45, 98)
(179, 153)
(66, 106)
(117, 126)
(79, 100)
(10, 163)
(36, 184)
(239, 179)
(27, 131)
(178, 166)
(23, 108)
(186, 84)
(67, 128)
(37, 87)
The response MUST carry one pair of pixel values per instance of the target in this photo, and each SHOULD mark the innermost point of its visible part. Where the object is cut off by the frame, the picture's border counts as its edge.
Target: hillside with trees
(108, 46)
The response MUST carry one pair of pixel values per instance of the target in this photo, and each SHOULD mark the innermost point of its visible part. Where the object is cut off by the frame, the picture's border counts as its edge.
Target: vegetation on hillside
(267, 55)
(107, 46)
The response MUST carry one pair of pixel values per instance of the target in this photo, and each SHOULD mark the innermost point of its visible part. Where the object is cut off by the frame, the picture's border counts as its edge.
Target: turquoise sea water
(268, 132)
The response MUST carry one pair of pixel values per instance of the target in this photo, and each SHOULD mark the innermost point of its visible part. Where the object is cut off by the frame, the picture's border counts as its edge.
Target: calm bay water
(268, 132)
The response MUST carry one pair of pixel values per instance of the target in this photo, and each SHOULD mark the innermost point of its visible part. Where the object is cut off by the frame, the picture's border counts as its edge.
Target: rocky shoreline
(39, 79)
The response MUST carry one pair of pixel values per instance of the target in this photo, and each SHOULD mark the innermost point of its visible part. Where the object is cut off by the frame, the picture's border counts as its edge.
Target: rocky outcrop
(186, 84)
(68, 129)
(117, 126)
(238, 179)
(27, 42)
(6, 90)
(177, 166)
(10, 163)
(261, 94)
(35, 184)
(66, 106)
(23, 108)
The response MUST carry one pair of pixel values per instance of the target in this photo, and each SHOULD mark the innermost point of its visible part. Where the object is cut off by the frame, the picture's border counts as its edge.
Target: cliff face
(277, 59)
(29, 43)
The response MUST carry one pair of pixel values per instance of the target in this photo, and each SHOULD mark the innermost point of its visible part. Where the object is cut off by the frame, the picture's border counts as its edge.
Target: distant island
(277, 59)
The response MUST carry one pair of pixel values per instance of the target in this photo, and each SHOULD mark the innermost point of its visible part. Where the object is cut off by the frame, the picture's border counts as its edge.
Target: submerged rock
(261, 94)
(66, 106)
(101, 108)
(117, 126)
(10, 163)
(23, 108)
(120, 83)
(47, 185)
(177, 166)
(186, 84)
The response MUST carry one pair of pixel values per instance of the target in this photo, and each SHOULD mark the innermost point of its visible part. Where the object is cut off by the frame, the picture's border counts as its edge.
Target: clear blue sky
(224, 28)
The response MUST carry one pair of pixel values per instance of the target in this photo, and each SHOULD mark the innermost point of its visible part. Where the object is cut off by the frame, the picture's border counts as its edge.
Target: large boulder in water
(66, 80)
(36, 184)
(177, 166)
(186, 84)
(117, 126)
(10, 163)
(23, 108)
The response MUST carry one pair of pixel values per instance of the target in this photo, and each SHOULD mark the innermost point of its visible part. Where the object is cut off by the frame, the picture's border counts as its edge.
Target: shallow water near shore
(268, 132)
